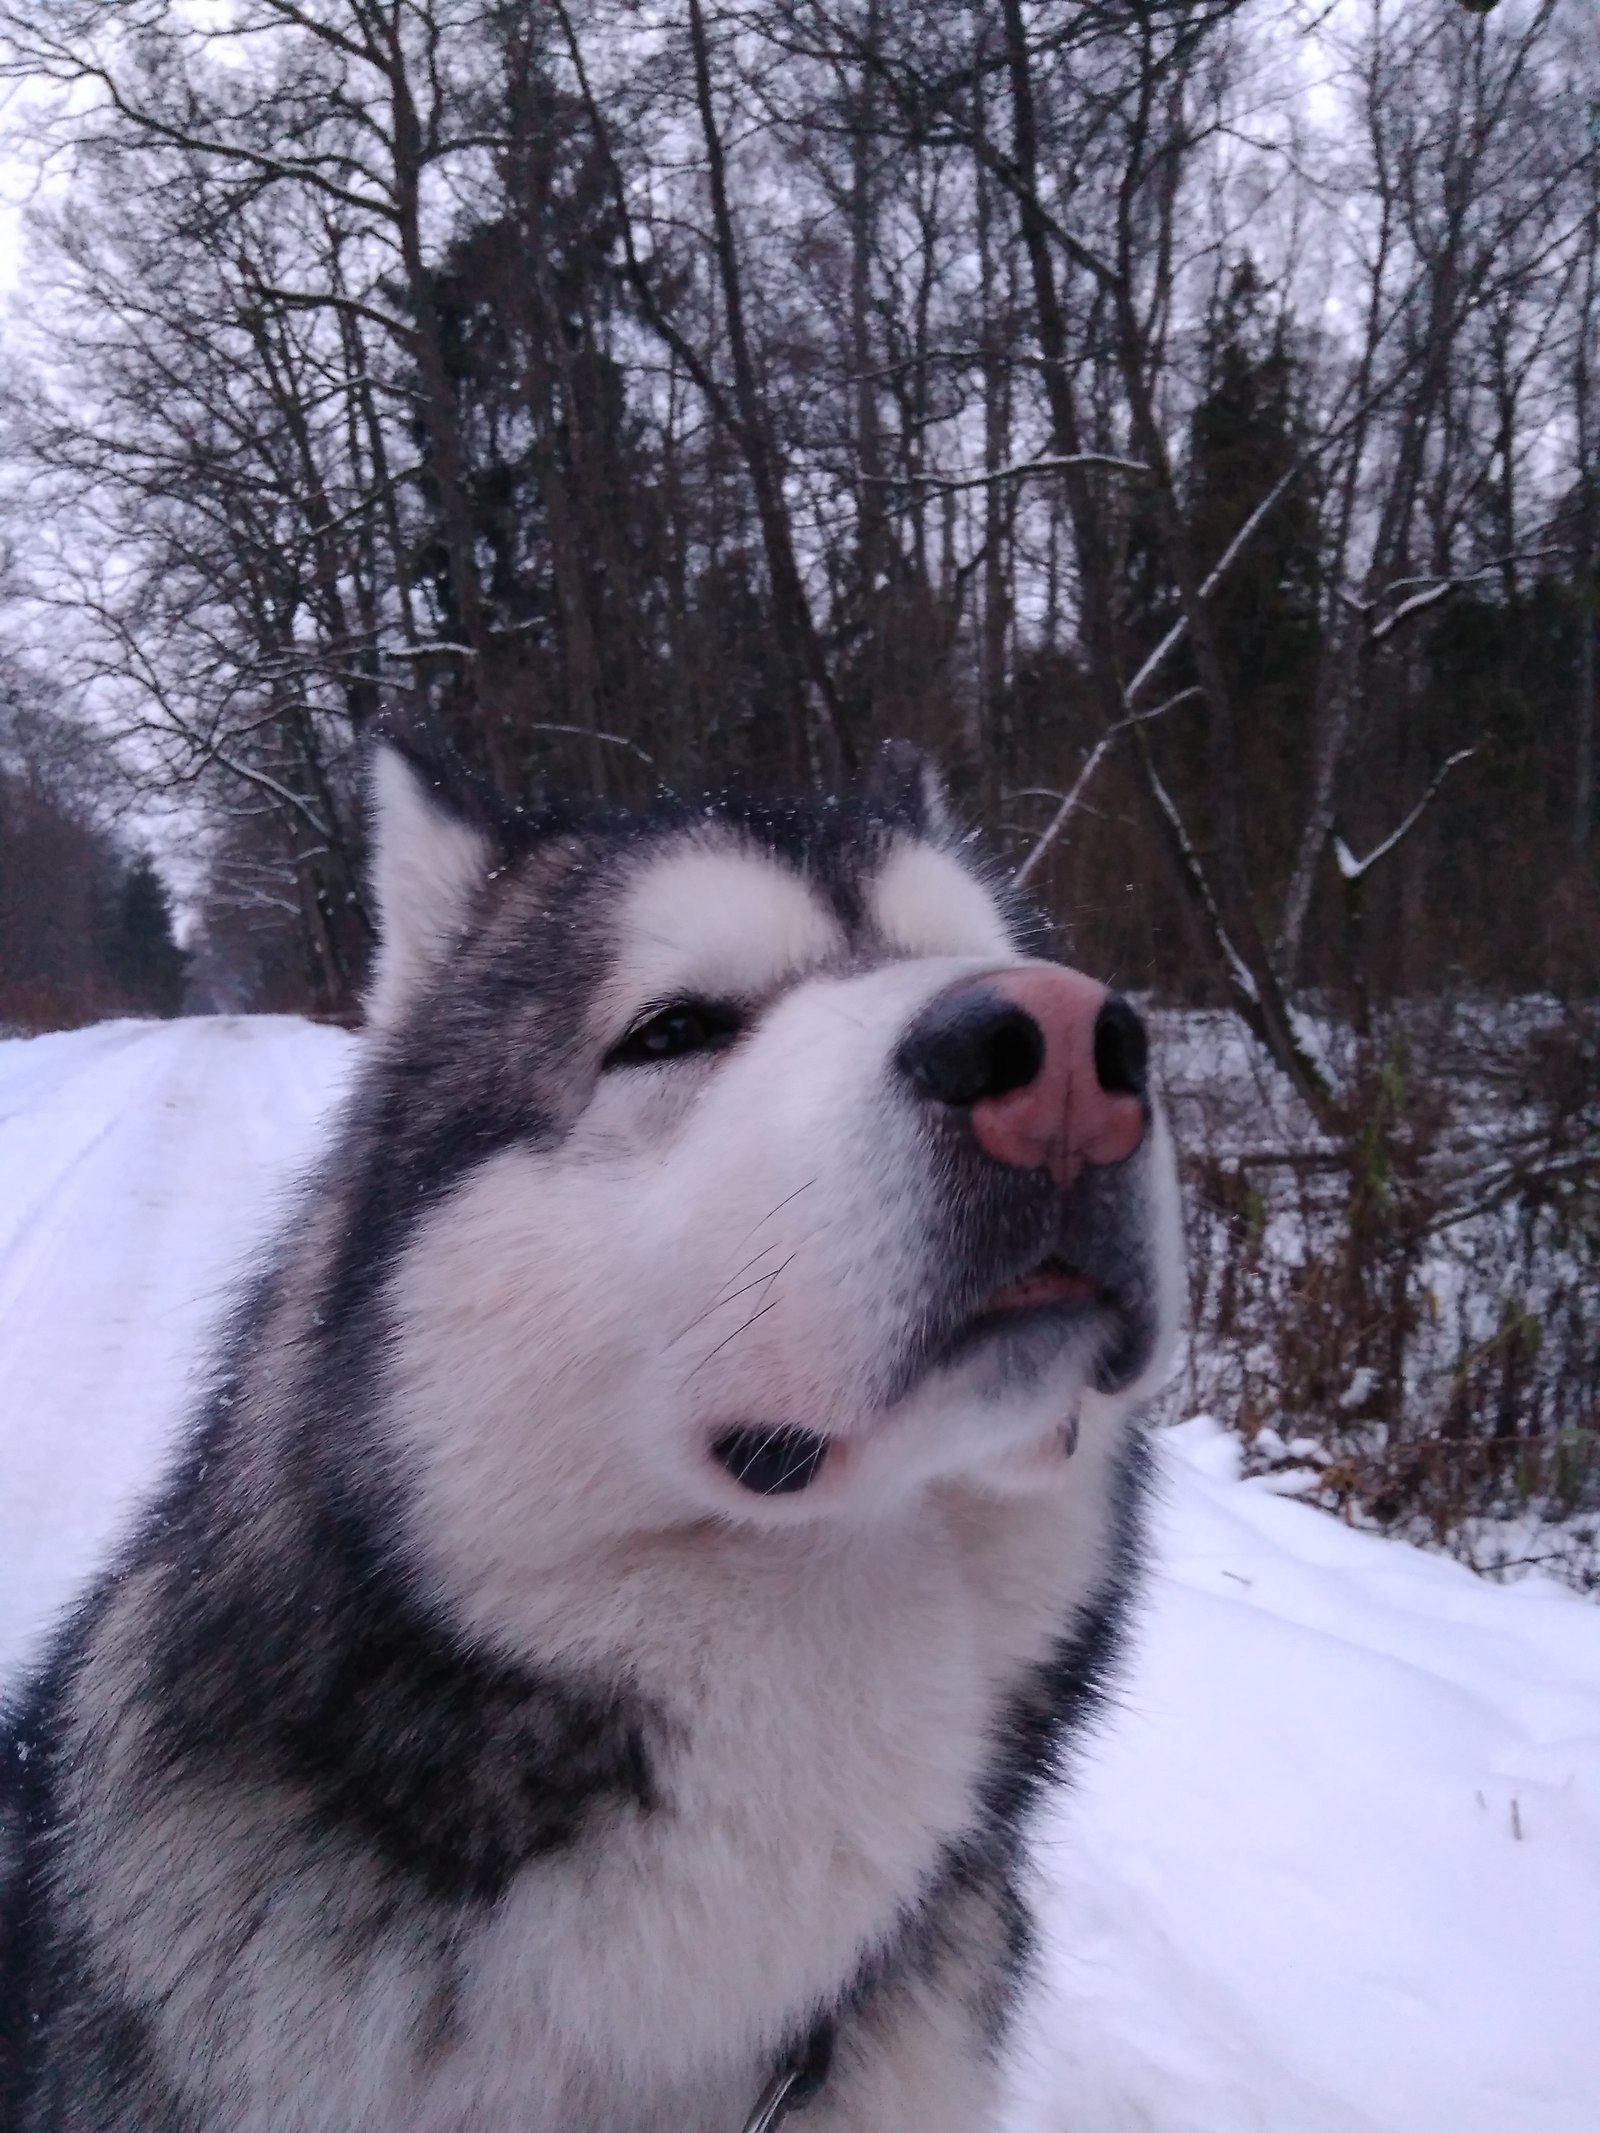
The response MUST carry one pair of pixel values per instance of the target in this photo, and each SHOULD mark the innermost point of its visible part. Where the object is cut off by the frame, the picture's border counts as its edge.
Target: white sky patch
(15, 182)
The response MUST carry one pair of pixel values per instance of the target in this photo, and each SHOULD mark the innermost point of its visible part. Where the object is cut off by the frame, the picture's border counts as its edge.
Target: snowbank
(1333, 1867)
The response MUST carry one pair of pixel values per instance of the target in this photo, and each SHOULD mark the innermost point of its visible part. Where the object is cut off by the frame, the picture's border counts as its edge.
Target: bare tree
(694, 396)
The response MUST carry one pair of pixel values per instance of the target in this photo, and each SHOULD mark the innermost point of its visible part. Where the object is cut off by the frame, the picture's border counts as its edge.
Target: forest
(1181, 417)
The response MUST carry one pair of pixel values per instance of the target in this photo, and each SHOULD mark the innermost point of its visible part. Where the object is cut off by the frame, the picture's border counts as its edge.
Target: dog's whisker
(754, 1260)
(778, 1210)
(733, 1336)
(767, 1217)
(761, 1280)
(725, 1295)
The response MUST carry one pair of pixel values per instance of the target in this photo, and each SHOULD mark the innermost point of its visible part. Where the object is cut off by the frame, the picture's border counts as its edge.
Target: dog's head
(742, 1162)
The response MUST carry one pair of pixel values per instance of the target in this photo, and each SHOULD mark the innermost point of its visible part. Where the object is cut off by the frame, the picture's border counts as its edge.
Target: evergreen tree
(1246, 435)
(142, 957)
(1247, 431)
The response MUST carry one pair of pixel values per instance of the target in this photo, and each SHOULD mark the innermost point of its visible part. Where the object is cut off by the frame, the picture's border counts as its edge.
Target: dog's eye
(674, 1032)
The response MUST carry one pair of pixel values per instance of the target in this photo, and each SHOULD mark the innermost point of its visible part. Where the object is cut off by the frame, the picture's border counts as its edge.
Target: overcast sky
(10, 225)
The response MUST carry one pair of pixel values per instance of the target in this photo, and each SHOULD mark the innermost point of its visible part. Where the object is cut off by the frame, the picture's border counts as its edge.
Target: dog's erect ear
(904, 787)
(430, 858)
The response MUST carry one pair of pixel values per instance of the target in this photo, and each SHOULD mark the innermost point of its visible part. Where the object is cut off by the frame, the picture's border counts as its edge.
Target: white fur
(428, 868)
(716, 920)
(716, 1243)
(925, 902)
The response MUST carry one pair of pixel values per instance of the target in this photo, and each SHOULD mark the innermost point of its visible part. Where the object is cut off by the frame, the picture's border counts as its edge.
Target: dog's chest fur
(828, 1712)
(838, 1698)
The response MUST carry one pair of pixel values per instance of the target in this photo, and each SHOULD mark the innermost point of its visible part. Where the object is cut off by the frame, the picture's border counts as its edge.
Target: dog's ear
(903, 787)
(433, 849)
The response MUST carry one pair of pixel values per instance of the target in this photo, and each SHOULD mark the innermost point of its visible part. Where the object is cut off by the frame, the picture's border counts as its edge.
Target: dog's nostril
(1121, 1049)
(972, 1048)
(1014, 1053)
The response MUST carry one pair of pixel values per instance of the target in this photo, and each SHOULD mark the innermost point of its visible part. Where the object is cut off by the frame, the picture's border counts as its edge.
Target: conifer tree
(142, 956)
(1246, 435)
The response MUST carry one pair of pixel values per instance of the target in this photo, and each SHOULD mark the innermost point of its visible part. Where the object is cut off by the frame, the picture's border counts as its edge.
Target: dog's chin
(990, 1391)
(1050, 1309)
(1051, 1326)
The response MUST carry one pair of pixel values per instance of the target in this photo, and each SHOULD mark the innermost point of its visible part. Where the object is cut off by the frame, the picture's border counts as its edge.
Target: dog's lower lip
(771, 1462)
(1052, 1281)
(1050, 1293)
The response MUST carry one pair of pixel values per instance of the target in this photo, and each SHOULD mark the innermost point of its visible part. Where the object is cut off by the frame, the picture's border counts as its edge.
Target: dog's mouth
(1053, 1292)
(771, 1461)
(1052, 1282)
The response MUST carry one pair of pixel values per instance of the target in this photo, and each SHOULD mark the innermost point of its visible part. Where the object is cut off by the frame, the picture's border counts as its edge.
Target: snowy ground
(1335, 1865)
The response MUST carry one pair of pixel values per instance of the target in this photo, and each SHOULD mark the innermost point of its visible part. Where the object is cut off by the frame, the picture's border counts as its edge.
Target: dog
(660, 1518)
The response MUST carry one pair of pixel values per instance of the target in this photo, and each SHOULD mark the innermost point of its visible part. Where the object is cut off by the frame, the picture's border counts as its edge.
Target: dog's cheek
(635, 1113)
(525, 1353)
(1165, 1217)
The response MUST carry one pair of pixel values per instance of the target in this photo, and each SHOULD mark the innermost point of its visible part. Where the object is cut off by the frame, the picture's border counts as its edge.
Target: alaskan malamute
(657, 1524)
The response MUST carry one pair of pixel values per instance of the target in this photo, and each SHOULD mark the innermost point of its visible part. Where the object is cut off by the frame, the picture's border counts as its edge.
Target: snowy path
(138, 1167)
(1334, 1867)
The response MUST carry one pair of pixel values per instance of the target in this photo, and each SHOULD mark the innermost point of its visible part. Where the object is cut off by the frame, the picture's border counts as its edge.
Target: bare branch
(1353, 869)
(1051, 463)
(1437, 589)
(588, 733)
(1073, 797)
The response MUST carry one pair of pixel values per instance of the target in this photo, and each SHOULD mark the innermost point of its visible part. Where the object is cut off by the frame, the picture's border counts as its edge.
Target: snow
(139, 1164)
(1332, 1866)
(1336, 1865)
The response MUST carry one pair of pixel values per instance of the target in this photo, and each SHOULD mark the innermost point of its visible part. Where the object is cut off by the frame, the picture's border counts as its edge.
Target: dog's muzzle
(1033, 1087)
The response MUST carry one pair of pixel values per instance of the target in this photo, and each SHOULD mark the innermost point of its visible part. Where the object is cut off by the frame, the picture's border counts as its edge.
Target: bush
(1406, 1326)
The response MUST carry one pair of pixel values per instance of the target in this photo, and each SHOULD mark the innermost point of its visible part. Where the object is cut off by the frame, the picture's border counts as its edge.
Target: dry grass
(1405, 1326)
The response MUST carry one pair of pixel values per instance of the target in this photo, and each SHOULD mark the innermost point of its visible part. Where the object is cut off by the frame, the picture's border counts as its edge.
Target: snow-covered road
(1334, 1866)
(139, 1164)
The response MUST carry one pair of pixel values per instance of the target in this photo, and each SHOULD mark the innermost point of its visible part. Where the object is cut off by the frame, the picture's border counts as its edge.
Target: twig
(1052, 463)
(1058, 821)
(589, 733)
(1352, 868)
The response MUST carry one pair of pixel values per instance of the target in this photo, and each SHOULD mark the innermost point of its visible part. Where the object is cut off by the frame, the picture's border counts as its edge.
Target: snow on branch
(1352, 868)
(1438, 589)
(262, 781)
(441, 646)
(1051, 463)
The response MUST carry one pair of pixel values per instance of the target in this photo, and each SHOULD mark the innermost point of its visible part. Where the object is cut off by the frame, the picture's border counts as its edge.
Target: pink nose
(1048, 1065)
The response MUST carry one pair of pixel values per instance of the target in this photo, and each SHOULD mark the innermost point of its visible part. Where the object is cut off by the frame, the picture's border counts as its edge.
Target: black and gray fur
(270, 1736)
